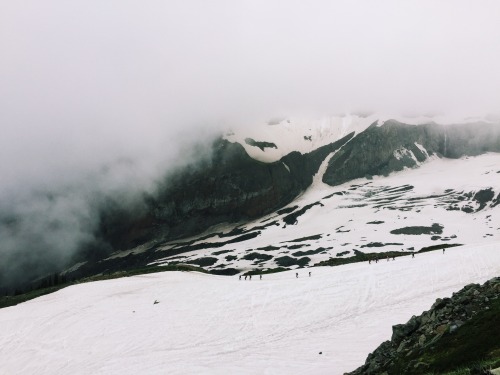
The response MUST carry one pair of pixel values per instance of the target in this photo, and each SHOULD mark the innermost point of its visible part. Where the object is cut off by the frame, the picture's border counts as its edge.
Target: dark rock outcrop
(380, 150)
(408, 350)
(261, 145)
(232, 186)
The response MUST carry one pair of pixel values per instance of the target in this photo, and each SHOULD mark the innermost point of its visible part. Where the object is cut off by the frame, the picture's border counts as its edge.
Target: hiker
(309, 273)
(240, 277)
(261, 277)
(296, 275)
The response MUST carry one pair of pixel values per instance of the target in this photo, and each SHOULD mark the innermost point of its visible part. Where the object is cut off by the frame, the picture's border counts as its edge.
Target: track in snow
(220, 325)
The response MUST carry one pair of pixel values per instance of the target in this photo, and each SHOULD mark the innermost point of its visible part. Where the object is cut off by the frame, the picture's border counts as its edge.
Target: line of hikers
(394, 258)
(376, 259)
(260, 276)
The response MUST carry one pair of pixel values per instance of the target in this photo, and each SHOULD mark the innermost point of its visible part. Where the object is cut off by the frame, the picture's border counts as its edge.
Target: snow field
(207, 324)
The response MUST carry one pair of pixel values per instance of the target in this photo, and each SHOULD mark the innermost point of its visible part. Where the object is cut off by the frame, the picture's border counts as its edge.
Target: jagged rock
(400, 331)
(440, 303)
(425, 318)
(401, 346)
(421, 340)
(440, 329)
(445, 317)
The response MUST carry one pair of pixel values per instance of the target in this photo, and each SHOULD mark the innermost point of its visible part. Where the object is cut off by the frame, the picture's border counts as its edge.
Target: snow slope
(207, 324)
(361, 215)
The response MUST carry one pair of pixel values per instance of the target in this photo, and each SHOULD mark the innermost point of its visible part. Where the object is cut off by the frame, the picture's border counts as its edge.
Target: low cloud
(101, 99)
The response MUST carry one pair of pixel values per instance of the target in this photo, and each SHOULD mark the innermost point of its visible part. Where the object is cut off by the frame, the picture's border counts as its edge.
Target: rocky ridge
(415, 346)
(393, 146)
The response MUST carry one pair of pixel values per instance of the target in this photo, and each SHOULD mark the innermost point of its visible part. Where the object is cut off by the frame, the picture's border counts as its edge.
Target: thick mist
(99, 100)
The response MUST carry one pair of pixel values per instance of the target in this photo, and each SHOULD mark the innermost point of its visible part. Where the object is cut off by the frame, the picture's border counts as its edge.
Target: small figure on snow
(369, 261)
(245, 277)
(393, 258)
(443, 250)
(240, 277)
(296, 275)
(413, 255)
(309, 273)
(250, 277)
(261, 277)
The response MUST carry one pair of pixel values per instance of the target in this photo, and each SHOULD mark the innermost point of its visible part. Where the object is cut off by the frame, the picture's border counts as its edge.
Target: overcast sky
(104, 95)
(113, 76)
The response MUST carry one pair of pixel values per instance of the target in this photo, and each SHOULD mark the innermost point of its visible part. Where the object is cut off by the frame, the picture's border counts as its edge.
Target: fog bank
(101, 99)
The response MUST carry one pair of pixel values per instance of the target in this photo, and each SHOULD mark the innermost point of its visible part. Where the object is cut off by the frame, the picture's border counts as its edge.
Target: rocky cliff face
(229, 186)
(455, 332)
(380, 150)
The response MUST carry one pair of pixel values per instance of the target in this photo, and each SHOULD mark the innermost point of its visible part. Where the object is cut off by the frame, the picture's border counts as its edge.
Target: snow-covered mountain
(269, 141)
(285, 195)
(357, 185)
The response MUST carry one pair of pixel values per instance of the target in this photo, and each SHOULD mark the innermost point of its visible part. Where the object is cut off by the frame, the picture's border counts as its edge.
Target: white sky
(91, 84)
(81, 71)
(132, 62)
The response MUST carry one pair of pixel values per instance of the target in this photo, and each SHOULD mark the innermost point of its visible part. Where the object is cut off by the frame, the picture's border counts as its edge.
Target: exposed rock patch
(261, 145)
(286, 261)
(417, 230)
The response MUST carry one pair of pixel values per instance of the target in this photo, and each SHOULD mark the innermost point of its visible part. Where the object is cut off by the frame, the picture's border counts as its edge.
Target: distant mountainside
(246, 193)
(232, 186)
(393, 146)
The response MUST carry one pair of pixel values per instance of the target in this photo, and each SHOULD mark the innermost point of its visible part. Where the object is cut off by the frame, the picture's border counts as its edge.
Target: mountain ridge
(232, 188)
